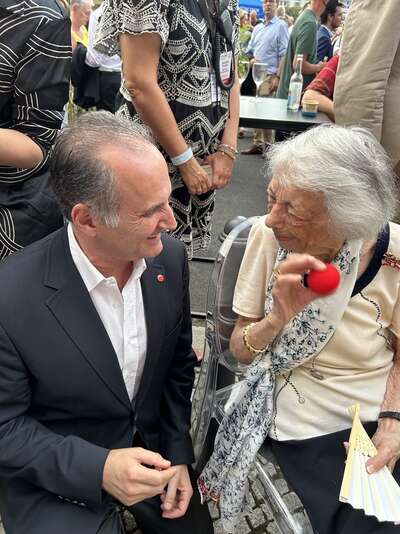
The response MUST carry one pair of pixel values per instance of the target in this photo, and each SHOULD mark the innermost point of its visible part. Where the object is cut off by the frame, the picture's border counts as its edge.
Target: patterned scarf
(249, 413)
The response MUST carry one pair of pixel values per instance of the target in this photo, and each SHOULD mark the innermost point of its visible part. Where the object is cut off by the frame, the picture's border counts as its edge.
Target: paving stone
(304, 522)
(265, 507)
(262, 459)
(271, 470)
(251, 501)
(281, 486)
(292, 501)
(257, 518)
(273, 528)
(243, 527)
(258, 490)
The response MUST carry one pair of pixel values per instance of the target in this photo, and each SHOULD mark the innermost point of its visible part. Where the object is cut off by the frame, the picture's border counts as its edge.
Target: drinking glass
(243, 70)
(259, 73)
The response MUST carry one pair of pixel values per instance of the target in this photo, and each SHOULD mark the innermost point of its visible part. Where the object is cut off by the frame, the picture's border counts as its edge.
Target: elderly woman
(330, 198)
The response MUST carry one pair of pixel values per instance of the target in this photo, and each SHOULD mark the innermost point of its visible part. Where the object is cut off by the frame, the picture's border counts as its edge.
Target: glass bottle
(296, 85)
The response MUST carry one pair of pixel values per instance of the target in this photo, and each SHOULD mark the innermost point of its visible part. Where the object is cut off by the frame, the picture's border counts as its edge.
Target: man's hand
(175, 499)
(387, 441)
(221, 168)
(195, 178)
(127, 477)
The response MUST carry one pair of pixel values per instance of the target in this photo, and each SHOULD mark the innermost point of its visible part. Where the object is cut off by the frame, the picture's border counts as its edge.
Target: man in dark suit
(96, 364)
(331, 19)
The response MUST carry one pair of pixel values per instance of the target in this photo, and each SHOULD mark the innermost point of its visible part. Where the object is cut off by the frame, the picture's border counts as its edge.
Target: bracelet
(224, 151)
(182, 158)
(228, 150)
(246, 343)
(391, 415)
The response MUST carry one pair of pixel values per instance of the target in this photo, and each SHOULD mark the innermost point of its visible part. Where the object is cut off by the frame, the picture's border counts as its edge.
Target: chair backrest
(222, 287)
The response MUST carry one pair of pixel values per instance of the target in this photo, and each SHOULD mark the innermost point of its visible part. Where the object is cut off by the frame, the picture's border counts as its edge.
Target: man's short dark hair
(330, 9)
(77, 170)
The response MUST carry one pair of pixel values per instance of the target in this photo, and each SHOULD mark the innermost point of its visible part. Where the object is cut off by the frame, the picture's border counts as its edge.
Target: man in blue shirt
(331, 19)
(268, 45)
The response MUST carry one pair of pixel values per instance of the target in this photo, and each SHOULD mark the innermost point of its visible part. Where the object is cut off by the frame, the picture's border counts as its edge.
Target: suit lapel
(73, 308)
(155, 306)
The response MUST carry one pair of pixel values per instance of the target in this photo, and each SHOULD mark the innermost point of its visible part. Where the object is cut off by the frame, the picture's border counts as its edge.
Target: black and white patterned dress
(35, 53)
(185, 76)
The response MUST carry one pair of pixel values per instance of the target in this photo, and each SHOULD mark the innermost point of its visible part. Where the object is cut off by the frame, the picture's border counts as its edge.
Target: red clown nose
(323, 282)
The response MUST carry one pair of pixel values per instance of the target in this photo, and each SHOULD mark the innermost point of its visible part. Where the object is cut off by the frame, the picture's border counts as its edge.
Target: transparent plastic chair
(220, 373)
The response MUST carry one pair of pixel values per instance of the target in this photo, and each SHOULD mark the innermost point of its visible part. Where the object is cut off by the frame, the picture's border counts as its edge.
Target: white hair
(351, 170)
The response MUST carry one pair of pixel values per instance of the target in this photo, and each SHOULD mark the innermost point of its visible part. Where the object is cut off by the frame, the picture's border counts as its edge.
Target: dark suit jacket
(325, 46)
(63, 401)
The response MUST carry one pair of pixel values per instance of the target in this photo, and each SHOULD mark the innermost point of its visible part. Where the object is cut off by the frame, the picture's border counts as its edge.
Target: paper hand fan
(378, 493)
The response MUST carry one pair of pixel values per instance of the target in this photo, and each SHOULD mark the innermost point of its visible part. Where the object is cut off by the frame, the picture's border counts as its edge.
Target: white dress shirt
(96, 59)
(122, 313)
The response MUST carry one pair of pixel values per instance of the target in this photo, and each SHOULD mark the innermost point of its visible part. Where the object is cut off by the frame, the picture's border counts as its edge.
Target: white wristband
(182, 158)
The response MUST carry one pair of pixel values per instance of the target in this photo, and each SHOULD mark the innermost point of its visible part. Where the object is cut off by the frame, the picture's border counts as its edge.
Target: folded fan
(378, 493)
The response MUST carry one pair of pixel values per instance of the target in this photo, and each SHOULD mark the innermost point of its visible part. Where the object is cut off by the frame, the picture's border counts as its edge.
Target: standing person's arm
(92, 58)
(45, 87)
(305, 45)
(309, 68)
(18, 150)
(325, 104)
(222, 163)
(140, 58)
(282, 44)
(322, 87)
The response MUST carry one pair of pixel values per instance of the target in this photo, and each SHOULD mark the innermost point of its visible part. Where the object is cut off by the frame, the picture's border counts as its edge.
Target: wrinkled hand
(194, 177)
(127, 477)
(387, 442)
(289, 295)
(175, 499)
(221, 169)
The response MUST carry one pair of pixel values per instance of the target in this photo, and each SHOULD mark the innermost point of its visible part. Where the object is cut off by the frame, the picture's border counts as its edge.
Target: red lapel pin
(160, 278)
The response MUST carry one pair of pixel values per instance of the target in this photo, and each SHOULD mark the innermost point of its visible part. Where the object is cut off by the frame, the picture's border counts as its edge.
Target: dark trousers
(314, 468)
(110, 82)
(197, 519)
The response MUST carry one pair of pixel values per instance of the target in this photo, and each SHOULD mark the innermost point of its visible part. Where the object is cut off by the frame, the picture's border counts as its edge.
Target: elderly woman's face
(299, 221)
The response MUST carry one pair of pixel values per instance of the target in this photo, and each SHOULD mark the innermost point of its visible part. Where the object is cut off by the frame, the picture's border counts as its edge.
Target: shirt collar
(90, 275)
(327, 29)
(272, 21)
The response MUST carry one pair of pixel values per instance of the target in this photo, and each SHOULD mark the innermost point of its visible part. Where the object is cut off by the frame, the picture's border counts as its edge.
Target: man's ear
(83, 220)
